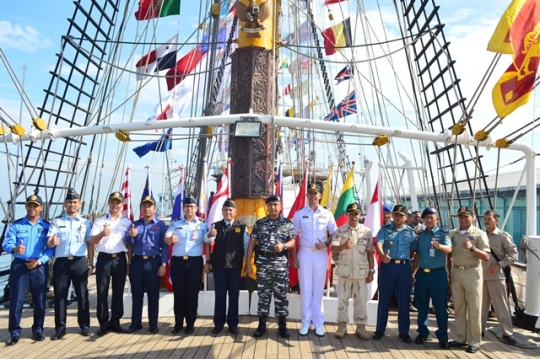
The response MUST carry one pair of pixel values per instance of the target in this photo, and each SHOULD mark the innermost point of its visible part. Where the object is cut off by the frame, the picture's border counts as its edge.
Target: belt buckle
(144, 257)
(397, 261)
(461, 267)
(185, 258)
(314, 249)
(114, 255)
(427, 270)
(70, 258)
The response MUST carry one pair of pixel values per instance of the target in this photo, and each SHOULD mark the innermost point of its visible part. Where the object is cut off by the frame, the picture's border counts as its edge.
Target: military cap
(353, 208)
(273, 198)
(229, 203)
(149, 199)
(399, 209)
(465, 211)
(429, 210)
(314, 187)
(190, 200)
(117, 195)
(34, 199)
(72, 194)
(387, 209)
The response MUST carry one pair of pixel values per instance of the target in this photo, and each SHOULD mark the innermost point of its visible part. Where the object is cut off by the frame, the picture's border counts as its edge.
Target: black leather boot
(283, 332)
(261, 329)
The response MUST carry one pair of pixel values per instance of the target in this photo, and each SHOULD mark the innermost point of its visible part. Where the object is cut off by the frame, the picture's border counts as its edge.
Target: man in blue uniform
(395, 244)
(275, 235)
(69, 235)
(26, 239)
(433, 244)
(148, 263)
(230, 239)
(186, 235)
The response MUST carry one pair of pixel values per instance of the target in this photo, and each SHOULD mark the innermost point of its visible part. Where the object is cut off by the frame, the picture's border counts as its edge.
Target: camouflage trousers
(273, 277)
(357, 289)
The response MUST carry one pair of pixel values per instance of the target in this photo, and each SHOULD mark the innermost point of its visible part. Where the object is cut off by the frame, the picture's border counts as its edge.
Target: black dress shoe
(12, 340)
(154, 330)
(176, 330)
(102, 331)
(85, 332)
(118, 329)
(216, 330)
(234, 330)
(509, 339)
(133, 328)
(453, 343)
(39, 337)
(378, 335)
(443, 344)
(471, 349)
(58, 335)
(405, 338)
(190, 330)
(420, 339)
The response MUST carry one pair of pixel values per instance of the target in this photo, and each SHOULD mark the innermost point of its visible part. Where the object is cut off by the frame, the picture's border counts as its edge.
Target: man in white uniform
(313, 222)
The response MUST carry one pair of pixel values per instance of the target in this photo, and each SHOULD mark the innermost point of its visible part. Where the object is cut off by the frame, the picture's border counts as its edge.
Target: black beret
(149, 199)
(229, 203)
(273, 198)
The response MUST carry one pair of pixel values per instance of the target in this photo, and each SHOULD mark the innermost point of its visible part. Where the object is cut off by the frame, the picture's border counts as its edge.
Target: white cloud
(22, 37)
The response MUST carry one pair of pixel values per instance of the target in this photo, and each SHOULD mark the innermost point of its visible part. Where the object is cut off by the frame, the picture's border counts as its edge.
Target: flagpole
(229, 161)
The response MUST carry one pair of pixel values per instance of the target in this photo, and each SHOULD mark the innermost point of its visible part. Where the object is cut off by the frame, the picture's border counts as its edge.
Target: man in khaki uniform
(470, 245)
(353, 242)
(503, 253)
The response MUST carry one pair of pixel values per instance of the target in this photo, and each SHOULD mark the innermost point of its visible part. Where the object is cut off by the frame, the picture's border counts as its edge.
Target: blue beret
(429, 210)
(387, 209)
(273, 198)
(190, 200)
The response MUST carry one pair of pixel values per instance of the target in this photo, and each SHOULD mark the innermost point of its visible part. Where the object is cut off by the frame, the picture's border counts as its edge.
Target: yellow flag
(327, 199)
(500, 40)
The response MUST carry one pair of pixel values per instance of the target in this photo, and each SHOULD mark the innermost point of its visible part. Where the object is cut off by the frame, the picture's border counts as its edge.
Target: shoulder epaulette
(18, 220)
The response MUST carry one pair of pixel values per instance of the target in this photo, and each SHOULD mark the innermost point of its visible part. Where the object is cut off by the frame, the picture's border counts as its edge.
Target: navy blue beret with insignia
(429, 210)
(273, 198)
(190, 200)
(34, 199)
(387, 209)
(149, 199)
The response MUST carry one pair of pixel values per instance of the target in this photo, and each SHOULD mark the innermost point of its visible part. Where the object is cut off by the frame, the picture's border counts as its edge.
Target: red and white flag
(374, 222)
(127, 210)
(287, 90)
(223, 192)
(162, 58)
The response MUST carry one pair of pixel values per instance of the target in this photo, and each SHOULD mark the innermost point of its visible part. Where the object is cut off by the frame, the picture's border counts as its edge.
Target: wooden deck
(203, 344)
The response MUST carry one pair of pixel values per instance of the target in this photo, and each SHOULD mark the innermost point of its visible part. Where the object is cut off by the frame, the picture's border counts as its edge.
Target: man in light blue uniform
(69, 235)
(395, 245)
(186, 235)
(26, 239)
(433, 244)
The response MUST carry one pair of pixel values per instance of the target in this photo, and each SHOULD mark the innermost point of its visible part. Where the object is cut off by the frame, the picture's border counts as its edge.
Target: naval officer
(186, 235)
(433, 244)
(69, 235)
(470, 246)
(26, 240)
(111, 266)
(315, 223)
(148, 263)
(395, 245)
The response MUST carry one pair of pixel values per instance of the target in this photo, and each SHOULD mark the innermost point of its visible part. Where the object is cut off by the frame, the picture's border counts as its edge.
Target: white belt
(313, 249)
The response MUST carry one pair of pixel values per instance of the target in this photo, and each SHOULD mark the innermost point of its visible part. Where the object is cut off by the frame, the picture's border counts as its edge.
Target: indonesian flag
(127, 210)
(330, 2)
(299, 202)
(374, 220)
(162, 58)
(222, 194)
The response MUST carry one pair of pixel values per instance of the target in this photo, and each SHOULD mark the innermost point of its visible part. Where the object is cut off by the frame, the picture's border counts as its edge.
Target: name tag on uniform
(432, 252)
(305, 217)
(62, 226)
(389, 231)
(178, 227)
(155, 228)
(408, 234)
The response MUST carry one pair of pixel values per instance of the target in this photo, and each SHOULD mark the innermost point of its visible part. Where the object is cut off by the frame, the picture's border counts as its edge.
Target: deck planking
(205, 345)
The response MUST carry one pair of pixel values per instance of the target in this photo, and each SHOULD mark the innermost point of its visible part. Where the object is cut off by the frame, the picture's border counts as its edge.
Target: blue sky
(30, 33)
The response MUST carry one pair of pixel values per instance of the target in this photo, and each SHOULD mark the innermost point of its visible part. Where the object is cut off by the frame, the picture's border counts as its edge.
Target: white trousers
(312, 279)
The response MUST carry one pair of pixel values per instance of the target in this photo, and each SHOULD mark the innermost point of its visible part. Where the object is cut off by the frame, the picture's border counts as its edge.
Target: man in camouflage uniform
(353, 242)
(275, 236)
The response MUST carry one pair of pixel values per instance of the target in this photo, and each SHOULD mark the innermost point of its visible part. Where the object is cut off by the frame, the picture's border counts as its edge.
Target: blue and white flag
(164, 144)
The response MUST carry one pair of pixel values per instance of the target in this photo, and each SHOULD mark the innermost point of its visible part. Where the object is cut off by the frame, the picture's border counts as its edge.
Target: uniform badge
(194, 236)
(305, 216)
(237, 230)
(407, 234)
(391, 243)
(198, 227)
(389, 231)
